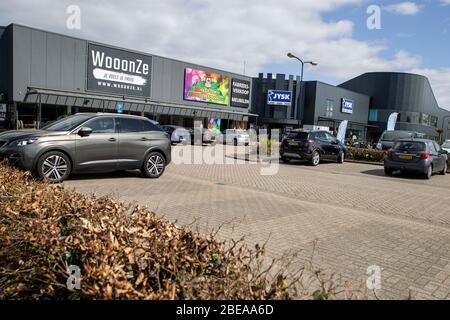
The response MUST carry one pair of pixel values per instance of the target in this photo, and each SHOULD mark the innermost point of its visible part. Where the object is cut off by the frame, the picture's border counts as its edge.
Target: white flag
(392, 121)
(342, 130)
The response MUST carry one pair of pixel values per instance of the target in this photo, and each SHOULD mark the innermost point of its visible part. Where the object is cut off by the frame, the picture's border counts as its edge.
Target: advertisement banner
(117, 71)
(206, 87)
(240, 93)
(214, 125)
(392, 121)
(342, 131)
(279, 98)
(347, 106)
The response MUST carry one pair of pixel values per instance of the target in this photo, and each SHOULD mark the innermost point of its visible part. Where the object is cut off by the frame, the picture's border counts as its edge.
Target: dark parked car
(88, 142)
(418, 155)
(313, 146)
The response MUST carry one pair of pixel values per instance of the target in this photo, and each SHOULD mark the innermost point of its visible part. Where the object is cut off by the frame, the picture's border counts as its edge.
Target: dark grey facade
(276, 116)
(319, 105)
(323, 107)
(410, 95)
(40, 67)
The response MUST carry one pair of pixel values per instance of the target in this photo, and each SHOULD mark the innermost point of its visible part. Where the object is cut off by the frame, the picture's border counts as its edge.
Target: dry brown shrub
(124, 252)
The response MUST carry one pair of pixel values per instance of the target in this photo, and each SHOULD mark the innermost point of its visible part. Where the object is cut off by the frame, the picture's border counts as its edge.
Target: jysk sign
(347, 106)
(240, 93)
(118, 71)
(279, 98)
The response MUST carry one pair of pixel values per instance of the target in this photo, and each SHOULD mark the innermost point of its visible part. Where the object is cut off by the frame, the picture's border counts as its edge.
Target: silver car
(89, 142)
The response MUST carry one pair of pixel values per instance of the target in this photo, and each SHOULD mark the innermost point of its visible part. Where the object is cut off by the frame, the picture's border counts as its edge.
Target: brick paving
(352, 215)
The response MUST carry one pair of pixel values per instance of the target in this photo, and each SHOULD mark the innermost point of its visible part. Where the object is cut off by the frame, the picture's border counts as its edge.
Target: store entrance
(26, 116)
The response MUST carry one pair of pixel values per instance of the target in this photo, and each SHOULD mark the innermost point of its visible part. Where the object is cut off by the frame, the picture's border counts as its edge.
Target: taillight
(390, 153)
(425, 155)
(309, 143)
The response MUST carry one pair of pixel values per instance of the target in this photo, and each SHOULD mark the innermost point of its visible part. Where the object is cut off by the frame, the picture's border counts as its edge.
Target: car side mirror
(444, 152)
(85, 132)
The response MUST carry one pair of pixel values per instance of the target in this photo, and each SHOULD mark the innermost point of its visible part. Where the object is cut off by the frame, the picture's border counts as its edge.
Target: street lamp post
(290, 55)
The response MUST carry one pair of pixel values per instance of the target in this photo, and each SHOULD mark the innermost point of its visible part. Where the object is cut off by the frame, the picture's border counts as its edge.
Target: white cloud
(440, 82)
(406, 8)
(445, 2)
(223, 34)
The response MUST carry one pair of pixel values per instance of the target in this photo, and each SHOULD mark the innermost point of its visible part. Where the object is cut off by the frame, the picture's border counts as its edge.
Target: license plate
(294, 144)
(405, 157)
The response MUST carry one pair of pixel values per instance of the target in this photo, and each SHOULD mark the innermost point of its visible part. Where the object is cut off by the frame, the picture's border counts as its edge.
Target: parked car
(388, 138)
(234, 137)
(88, 142)
(313, 146)
(200, 136)
(417, 155)
(446, 147)
(177, 134)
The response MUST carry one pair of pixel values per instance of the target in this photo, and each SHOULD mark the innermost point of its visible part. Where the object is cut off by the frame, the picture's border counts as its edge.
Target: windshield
(394, 135)
(410, 146)
(446, 145)
(68, 124)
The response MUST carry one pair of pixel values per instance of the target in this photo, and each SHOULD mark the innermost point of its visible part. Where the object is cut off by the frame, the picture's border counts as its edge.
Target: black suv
(313, 146)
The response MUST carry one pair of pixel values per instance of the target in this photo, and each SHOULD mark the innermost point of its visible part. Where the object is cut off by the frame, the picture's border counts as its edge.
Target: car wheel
(54, 166)
(444, 171)
(154, 165)
(341, 157)
(315, 160)
(429, 172)
(388, 171)
(285, 160)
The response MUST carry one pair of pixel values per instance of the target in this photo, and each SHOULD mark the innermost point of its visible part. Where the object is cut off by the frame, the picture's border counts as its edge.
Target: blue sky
(414, 35)
(425, 35)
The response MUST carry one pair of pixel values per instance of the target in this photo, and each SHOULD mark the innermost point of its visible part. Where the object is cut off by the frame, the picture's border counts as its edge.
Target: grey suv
(89, 142)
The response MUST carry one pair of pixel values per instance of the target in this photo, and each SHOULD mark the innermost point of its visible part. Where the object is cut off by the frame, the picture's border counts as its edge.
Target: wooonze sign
(279, 98)
(118, 71)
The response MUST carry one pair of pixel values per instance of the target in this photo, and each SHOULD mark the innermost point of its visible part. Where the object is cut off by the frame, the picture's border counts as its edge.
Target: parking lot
(347, 217)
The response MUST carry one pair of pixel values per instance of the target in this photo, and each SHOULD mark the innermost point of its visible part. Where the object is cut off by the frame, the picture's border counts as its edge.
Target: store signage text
(240, 93)
(118, 71)
(278, 97)
(347, 106)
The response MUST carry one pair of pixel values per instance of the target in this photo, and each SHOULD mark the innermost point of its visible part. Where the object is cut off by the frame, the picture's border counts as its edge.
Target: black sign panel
(118, 71)
(240, 93)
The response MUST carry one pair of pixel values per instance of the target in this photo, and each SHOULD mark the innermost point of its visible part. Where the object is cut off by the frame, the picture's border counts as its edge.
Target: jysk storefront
(45, 76)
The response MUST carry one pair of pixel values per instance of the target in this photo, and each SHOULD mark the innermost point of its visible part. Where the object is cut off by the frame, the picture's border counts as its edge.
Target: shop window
(373, 115)
(329, 108)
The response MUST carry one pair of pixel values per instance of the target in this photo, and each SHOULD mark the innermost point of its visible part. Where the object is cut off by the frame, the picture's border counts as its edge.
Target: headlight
(23, 143)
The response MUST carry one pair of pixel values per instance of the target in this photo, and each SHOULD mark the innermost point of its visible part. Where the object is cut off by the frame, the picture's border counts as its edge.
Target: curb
(365, 162)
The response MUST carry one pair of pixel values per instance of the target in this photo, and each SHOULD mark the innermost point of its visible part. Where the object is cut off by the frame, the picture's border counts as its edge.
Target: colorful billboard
(205, 86)
(214, 125)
